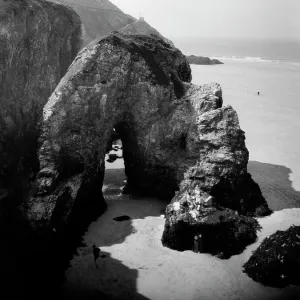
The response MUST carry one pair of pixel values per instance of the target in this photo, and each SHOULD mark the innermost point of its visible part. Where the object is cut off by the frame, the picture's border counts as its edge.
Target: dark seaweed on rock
(276, 262)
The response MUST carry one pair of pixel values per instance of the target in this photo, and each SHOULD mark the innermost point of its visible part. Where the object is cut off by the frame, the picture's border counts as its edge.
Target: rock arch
(175, 135)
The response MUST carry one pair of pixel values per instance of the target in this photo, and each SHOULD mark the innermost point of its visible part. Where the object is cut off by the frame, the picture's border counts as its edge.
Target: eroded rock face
(99, 17)
(176, 135)
(38, 42)
(223, 232)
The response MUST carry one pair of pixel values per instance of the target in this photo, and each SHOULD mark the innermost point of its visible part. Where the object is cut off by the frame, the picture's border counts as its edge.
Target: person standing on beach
(196, 244)
(200, 243)
(96, 253)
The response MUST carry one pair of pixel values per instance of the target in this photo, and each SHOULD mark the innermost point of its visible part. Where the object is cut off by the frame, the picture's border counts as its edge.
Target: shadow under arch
(275, 184)
(83, 280)
(29, 273)
(135, 205)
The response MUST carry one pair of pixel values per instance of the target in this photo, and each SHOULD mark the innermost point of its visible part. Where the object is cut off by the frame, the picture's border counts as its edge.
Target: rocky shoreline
(180, 142)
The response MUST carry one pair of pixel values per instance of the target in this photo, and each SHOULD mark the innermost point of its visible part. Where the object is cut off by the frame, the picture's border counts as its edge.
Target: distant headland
(202, 60)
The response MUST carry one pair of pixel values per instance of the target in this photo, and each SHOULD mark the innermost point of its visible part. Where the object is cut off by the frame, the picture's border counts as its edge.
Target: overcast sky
(274, 19)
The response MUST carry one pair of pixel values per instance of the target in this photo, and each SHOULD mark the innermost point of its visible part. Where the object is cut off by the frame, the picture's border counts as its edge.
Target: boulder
(122, 218)
(113, 156)
(38, 42)
(176, 136)
(276, 262)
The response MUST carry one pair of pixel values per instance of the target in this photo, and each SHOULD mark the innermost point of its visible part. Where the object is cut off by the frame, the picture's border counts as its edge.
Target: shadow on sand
(83, 280)
(29, 274)
(112, 273)
(275, 185)
(102, 280)
(87, 282)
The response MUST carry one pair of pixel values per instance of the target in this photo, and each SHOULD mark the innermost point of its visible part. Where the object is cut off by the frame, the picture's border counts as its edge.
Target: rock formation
(98, 17)
(39, 40)
(176, 136)
(202, 60)
(224, 232)
(276, 262)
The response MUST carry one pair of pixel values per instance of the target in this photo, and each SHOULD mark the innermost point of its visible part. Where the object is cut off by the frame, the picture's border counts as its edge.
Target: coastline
(137, 266)
(257, 59)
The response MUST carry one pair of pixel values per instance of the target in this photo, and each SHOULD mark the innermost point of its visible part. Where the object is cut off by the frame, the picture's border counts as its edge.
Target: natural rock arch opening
(145, 175)
(176, 136)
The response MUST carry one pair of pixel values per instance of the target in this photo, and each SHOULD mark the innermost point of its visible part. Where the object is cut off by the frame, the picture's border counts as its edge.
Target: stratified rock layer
(176, 136)
(38, 42)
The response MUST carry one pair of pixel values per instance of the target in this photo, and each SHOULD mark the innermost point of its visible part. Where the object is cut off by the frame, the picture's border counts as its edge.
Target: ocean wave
(257, 59)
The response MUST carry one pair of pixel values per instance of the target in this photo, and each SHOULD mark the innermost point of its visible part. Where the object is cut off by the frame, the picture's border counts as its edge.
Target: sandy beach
(135, 265)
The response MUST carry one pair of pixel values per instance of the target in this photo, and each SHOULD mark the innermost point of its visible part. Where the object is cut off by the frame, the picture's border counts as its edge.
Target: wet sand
(137, 266)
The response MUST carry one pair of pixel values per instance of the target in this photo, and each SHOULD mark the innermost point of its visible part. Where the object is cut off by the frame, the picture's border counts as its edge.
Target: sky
(247, 19)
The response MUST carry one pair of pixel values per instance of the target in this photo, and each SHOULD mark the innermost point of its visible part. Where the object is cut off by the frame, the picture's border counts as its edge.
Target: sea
(242, 49)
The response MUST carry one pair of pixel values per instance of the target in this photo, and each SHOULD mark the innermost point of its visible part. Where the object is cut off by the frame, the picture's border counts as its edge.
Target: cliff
(142, 27)
(39, 40)
(202, 60)
(99, 17)
(176, 137)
